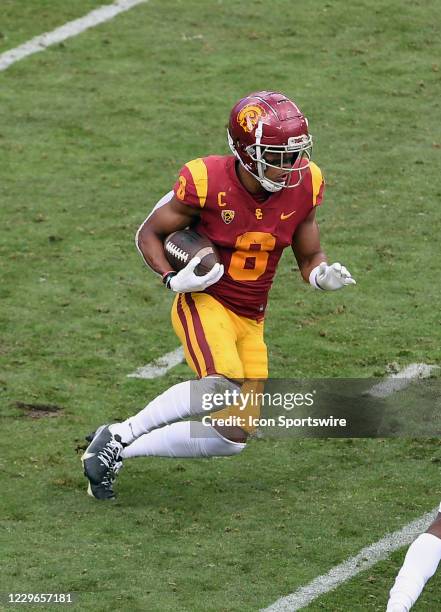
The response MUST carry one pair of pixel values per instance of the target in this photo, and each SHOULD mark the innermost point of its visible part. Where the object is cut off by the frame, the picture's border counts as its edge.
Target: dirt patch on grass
(39, 411)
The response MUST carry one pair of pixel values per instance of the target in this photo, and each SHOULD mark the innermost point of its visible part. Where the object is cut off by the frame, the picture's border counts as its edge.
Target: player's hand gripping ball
(195, 259)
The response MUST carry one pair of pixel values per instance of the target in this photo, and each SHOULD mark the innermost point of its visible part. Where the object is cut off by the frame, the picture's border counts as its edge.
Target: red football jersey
(250, 236)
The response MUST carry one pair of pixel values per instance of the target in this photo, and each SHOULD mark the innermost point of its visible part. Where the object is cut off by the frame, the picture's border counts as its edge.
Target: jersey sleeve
(316, 184)
(191, 188)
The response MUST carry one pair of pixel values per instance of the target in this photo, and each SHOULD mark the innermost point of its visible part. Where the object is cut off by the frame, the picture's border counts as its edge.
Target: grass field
(92, 133)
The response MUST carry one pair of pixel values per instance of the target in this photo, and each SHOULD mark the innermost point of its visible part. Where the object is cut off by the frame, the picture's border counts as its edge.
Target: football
(181, 246)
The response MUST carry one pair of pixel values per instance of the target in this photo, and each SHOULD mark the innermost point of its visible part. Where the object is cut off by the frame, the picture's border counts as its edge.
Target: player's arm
(306, 246)
(166, 219)
(312, 260)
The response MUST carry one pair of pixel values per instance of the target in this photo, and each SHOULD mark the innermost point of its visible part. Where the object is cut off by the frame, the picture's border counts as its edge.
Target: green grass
(21, 21)
(92, 133)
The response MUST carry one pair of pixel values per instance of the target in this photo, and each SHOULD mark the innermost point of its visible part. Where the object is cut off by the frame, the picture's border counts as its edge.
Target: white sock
(419, 565)
(180, 401)
(183, 439)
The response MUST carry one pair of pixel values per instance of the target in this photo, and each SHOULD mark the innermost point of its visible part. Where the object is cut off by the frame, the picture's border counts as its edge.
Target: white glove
(330, 278)
(186, 281)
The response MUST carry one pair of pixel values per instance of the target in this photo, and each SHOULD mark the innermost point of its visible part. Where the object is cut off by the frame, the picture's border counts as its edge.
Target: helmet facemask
(292, 160)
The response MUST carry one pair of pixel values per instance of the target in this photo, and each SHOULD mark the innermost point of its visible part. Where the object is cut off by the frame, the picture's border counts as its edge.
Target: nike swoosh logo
(87, 456)
(283, 216)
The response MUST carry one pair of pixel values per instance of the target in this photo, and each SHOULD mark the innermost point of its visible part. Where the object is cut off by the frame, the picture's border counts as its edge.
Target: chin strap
(269, 186)
(266, 184)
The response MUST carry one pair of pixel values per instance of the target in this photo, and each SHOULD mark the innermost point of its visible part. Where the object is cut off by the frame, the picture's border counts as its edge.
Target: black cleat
(101, 463)
(104, 490)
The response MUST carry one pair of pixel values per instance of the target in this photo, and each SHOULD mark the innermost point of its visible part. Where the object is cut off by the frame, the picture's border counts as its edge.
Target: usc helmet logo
(249, 117)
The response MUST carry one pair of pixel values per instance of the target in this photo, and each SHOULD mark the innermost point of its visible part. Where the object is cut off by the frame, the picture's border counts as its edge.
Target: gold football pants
(218, 341)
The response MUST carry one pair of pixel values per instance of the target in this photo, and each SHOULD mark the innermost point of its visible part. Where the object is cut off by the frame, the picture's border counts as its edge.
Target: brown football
(181, 246)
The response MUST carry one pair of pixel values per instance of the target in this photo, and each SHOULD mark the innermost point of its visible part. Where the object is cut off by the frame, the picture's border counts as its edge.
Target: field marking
(159, 366)
(68, 30)
(370, 555)
(366, 558)
(402, 379)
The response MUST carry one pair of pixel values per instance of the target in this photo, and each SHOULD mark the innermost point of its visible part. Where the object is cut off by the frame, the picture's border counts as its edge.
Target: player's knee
(435, 527)
(229, 442)
(233, 434)
(216, 389)
(211, 393)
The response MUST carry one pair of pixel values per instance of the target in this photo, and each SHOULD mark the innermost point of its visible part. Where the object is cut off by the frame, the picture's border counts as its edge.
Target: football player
(419, 565)
(251, 205)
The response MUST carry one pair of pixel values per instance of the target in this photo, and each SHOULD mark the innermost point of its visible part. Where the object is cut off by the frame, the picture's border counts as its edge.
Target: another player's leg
(420, 563)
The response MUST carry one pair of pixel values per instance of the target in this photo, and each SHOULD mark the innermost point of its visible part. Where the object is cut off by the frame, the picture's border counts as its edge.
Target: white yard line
(402, 379)
(68, 30)
(159, 366)
(367, 557)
